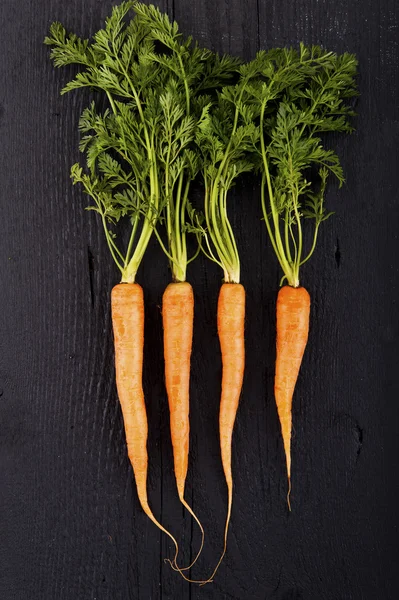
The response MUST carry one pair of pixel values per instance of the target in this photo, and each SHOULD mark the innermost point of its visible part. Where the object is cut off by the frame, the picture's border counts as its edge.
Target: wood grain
(70, 523)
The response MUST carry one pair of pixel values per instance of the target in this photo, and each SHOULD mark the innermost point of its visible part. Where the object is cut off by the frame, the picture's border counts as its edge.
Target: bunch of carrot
(177, 112)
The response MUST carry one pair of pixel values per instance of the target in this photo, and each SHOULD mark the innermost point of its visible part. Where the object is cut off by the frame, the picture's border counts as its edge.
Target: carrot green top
(300, 95)
(140, 152)
(225, 138)
(169, 117)
(122, 167)
(187, 72)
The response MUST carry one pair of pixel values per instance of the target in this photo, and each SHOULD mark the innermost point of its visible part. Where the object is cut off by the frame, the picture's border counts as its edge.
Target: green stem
(187, 91)
(163, 247)
(129, 273)
(115, 247)
(276, 238)
(211, 255)
(182, 217)
(178, 247)
(112, 103)
(178, 221)
(131, 241)
(169, 224)
(230, 239)
(209, 190)
(223, 239)
(214, 229)
(268, 226)
(196, 253)
(299, 253)
(134, 228)
(286, 234)
(175, 214)
(111, 244)
(294, 243)
(313, 245)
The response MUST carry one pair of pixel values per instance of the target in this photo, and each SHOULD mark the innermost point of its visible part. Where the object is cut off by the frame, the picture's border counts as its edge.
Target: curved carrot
(127, 304)
(293, 307)
(178, 316)
(231, 317)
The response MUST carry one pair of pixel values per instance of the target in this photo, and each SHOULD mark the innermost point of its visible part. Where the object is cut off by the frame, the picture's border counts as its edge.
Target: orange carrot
(231, 316)
(178, 316)
(220, 246)
(128, 324)
(293, 307)
(291, 196)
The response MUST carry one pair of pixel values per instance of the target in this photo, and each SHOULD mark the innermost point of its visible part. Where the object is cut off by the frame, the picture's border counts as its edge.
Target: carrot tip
(289, 494)
(172, 563)
(205, 582)
(174, 566)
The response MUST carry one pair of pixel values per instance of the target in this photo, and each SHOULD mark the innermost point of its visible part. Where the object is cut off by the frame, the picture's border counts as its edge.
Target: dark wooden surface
(70, 524)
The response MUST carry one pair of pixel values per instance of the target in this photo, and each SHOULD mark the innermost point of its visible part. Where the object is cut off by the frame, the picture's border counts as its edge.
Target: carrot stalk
(293, 307)
(178, 316)
(231, 316)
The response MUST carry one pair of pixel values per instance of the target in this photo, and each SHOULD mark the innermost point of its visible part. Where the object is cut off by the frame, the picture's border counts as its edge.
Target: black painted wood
(70, 524)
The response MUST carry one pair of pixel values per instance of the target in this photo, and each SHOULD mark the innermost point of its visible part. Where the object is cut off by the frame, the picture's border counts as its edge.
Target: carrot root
(293, 308)
(289, 494)
(178, 317)
(231, 317)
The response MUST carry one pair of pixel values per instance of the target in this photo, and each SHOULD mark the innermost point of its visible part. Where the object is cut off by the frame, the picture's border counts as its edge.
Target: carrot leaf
(190, 73)
(292, 117)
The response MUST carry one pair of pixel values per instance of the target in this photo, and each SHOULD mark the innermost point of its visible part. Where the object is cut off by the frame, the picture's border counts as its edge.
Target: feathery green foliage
(300, 95)
(271, 121)
(227, 135)
(122, 175)
(190, 72)
(140, 152)
(176, 109)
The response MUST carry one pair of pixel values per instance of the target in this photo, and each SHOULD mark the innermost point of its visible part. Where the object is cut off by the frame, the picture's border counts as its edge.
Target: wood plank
(225, 27)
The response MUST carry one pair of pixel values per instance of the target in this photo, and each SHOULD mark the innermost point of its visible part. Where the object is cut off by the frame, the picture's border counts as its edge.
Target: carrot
(290, 151)
(293, 307)
(127, 304)
(230, 318)
(224, 140)
(178, 316)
